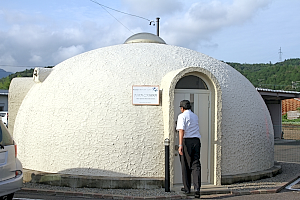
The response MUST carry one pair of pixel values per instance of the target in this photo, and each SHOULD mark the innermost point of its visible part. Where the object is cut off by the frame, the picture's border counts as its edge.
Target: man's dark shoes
(197, 194)
(187, 192)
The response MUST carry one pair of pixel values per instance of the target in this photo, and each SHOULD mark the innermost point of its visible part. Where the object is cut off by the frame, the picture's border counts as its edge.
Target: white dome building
(79, 117)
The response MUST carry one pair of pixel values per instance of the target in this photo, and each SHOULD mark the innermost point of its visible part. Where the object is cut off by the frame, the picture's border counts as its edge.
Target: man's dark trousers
(190, 163)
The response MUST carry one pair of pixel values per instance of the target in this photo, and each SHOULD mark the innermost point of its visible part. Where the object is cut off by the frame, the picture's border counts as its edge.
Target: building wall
(80, 119)
(3, 100)
(247, 134)
(275, 112)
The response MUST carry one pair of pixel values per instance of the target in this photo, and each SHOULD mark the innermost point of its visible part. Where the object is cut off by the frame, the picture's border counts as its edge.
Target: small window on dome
(191, 82)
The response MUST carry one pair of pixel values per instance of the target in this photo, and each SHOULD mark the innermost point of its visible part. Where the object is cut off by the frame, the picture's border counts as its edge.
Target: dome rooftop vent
(144, 38)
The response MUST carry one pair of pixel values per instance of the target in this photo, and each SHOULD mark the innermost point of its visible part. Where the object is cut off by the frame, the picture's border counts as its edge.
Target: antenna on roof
(157, 26)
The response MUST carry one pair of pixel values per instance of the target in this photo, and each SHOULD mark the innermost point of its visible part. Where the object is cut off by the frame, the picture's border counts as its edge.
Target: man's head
(185, 105)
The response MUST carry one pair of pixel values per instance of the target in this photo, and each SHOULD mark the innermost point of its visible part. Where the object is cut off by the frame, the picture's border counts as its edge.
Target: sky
(36, 33)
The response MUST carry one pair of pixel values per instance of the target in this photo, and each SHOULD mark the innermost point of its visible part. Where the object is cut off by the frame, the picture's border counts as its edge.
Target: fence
(291, 132)
(288, 148)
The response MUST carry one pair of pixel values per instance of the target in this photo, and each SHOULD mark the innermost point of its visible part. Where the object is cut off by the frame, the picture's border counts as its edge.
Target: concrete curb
(77, 181)
(230, 179)
(213, 194)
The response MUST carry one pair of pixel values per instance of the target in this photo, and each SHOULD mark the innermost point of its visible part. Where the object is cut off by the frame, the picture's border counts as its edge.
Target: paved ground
(287, 150)
(283, 195)
(270, 188)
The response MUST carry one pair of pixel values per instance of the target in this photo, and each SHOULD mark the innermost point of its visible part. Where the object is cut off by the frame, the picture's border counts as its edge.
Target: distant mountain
(4, 73)
(5, 81)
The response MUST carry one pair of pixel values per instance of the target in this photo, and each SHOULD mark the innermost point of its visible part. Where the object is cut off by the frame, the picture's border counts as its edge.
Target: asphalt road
(37, 196)
(283, 195)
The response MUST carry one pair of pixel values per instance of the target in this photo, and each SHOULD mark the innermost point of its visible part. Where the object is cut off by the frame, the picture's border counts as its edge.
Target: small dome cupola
(144, 38)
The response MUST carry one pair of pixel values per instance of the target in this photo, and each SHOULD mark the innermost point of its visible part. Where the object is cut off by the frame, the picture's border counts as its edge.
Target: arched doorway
(194, 89)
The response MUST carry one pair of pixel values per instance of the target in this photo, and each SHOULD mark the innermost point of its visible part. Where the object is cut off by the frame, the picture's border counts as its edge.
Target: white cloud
(205, 18)
(35, 44)
(154, 7)
(47, 37)
(36, 59)
(64, 53)
(7, 59)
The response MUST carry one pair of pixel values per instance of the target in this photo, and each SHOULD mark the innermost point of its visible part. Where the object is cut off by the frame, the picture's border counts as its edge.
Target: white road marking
(289, 187)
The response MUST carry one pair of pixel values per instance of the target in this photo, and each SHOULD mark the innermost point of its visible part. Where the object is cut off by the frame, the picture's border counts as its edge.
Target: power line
(121, 11)
(113, 16)
(103, 7)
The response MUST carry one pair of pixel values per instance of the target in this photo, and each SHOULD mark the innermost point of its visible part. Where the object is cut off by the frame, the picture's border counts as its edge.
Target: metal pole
(167, 165)
(157, 26)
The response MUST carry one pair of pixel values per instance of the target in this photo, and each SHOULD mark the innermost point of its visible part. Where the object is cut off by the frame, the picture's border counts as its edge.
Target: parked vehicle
(11, 171)
(4, 116)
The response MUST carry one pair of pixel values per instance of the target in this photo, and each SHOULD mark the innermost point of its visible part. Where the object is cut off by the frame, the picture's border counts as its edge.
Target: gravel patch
(289, 171)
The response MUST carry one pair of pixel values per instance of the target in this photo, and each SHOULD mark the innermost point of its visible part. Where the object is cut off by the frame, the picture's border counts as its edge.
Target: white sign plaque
(145, 95)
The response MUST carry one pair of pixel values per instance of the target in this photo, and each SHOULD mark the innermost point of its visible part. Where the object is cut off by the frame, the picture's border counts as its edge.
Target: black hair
(185, 104)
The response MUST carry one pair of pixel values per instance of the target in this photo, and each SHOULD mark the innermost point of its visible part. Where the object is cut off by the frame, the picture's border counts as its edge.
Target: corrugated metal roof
(276, 91)
(3, 92)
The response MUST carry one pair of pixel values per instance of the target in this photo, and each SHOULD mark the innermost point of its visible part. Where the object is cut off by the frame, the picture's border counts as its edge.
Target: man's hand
(180, 151)
(181, 134)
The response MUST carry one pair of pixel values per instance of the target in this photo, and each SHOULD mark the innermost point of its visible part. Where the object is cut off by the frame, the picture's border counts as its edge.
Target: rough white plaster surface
(18, 89)
(40, 74)
(81, 120)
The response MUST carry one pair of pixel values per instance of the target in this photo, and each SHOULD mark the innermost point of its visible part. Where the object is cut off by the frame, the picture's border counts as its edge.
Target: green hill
(279, 76)
(5, 82)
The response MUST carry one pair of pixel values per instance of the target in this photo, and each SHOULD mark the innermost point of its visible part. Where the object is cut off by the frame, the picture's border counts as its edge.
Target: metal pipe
(167, 165)
(157, 26)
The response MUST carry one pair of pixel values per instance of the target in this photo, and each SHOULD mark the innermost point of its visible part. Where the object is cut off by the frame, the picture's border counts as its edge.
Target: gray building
(3, 100)
(273, 100)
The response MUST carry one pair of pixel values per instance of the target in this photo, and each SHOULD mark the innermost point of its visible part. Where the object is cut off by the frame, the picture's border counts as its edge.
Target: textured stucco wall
(40, 74)
(18, 89)
(247, 130)
(80, 119)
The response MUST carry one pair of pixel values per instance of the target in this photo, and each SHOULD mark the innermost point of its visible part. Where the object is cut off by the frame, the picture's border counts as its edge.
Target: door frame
(200, 91)
(168, 84)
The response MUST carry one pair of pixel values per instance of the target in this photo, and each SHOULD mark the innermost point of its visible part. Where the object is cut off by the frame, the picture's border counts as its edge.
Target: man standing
(189, 148)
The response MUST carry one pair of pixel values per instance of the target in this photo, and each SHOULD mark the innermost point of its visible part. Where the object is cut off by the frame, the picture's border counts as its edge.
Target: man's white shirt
(188, 121)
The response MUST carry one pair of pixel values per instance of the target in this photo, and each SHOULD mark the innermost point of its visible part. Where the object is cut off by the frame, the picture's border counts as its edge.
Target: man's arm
(181, 134)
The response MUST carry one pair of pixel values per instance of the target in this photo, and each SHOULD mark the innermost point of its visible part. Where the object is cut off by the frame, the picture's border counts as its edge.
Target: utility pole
(280, 53)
